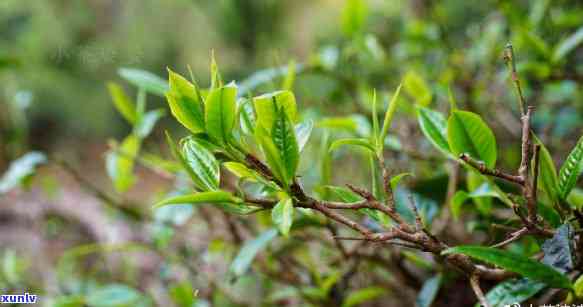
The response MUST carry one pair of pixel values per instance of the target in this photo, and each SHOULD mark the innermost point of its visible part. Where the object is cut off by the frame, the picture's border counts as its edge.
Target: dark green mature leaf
(515, 263)
(113, 295)
(215, 197)
(248, 252)
(513, 291)
(468, 133)
(429, 291)
(186, 103)
(282, 215)
(21, 169)
(120, 163)
(558, 249)
(360, 142)
(202, 163)
(284, 139)
(571, 169)
(122, 102)
(434, 127)
(361, 296)
(220, 113)
(267, 107)
(547, 179)
(568, 45)
(146, 122)
(145, 80)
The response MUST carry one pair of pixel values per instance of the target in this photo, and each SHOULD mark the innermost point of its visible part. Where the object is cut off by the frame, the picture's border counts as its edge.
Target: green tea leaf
(202, 163)
(397, 178)
(429, 291)
(146, 123)
(240, 170)
(113, 295)
(272, 156)
(21, 169)
(122, 102)
(250, 249)
(284, 139)
(120, 163)
(468, 133)
(361, 296)
(215, 197)
(145, 80)
(434, 127)
(303, 132)
(513, 291)
(186, 103)
(567, 45)
(571, 169)
(416, 87)
(547, 179)
(247, 117)
(353, 17)
(515, 263)
(558, 250)
(282, 215)
(389, 115)
(360, 142)
(220, 113)
(267, 106)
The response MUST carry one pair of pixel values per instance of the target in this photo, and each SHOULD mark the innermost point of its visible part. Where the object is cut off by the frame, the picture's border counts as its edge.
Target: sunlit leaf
(389, 114)
(468, 133)
(220, 113)
(353, 17)
(434, 127)
(215, 197)
(202, 163)
(120, 163)
(122, 102)
(284, 139)
(185, 103)
(416, 87)
(267, 106)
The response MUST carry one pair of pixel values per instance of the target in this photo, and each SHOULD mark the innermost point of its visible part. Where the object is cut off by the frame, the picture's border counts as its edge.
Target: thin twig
(481, 167)
(475, 282)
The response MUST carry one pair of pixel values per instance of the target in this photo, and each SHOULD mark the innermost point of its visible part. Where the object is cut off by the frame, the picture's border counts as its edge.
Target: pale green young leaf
(145, 80)
(247, 116)
(360, 142)
(282, 215)
(513, 262)
(120, 163)
(375, 122)
(220, 113)
(568, 44)
(303, 131)
(122, 102)
(214, 197)
(434, 127)
(353, 17)
(267, 106)
(416, 87)
(288, 82)
(21, 169)
(146, 122)
(468, 133)
(284, 139)
(113, 295)
(358, 297)
(177, 153)
(250, 249)
(186, 103)
(389, 114)
(394, 182)
(571, 170)
(202, 163)
(216, 80)
(240, 170)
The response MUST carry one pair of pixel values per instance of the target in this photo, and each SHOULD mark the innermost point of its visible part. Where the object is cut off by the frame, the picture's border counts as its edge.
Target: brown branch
(475, 282)
(481, 167)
